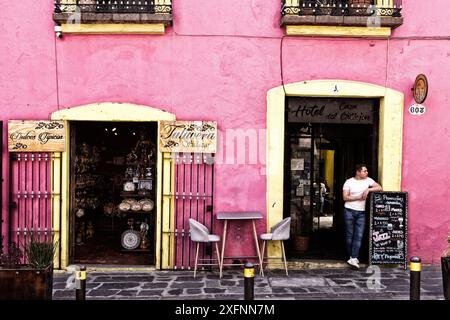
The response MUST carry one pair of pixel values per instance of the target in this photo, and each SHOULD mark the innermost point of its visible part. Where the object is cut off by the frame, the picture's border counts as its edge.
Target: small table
(240, 216)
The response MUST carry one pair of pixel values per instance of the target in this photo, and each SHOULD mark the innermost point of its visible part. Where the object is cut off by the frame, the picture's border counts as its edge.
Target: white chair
(279, 232)
(200, 233)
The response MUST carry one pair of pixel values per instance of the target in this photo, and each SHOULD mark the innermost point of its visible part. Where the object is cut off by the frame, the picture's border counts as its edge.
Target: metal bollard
(415, 267)
(81, 279)
(249, 281)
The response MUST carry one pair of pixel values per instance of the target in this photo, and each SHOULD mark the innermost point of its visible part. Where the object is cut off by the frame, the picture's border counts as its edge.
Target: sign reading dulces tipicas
(36, 136)
(188, 136)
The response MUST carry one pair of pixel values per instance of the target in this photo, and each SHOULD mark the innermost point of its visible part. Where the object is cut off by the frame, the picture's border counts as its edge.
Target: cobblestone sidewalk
(313, 284)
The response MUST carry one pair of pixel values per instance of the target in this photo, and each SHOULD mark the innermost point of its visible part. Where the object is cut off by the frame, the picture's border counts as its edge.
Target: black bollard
(415, 267)
(249, 281)
(81, 280)
(445, 267)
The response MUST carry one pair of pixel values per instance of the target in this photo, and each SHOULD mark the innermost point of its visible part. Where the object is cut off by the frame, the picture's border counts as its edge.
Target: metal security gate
(30, 197)
(192, 198)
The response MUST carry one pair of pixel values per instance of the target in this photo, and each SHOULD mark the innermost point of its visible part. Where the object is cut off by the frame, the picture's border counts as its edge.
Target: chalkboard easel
(388, 228)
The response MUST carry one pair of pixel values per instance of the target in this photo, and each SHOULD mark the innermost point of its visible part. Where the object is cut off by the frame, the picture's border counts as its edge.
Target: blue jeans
(354, 230)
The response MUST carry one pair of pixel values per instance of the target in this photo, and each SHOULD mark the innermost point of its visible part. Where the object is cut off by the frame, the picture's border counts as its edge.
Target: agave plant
(40, 253)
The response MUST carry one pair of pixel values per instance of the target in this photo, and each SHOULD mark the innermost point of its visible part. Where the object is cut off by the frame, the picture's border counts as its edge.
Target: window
(73, 14)
(364, 14)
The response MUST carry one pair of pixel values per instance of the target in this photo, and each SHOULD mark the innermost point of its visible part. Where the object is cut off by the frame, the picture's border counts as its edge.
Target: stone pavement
(311, 284)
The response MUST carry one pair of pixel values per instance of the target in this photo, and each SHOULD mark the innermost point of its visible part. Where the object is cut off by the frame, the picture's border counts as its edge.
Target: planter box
(25, 283)
(445, 265)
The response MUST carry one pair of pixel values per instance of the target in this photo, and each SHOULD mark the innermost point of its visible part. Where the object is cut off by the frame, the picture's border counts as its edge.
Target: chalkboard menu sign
(388, 228)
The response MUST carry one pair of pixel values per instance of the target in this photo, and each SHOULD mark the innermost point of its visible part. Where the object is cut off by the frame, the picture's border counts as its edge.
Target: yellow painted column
(391, 141)
(56, 203)
(275, 164)
(65, 192)
(167, 211)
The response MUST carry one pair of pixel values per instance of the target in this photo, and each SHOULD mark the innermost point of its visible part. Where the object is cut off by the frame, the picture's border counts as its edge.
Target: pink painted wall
(217, 63)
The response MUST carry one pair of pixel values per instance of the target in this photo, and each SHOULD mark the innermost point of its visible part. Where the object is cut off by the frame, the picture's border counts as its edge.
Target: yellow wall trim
(106, 111)
(337, 31)
(113, 28)
(112, 111)
(390, 135)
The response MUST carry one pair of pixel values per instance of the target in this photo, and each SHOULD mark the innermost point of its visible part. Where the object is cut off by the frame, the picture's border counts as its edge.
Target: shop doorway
(320, 154)
(113, 192)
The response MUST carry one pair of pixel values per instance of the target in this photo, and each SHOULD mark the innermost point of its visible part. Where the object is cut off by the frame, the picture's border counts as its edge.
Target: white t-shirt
(357, 187)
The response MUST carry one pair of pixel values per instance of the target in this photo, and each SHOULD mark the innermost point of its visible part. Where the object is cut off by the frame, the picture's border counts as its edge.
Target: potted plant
(445, 265)
(30, 281)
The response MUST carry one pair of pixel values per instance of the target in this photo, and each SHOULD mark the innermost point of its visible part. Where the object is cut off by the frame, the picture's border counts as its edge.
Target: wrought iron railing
(111, 6)
(342, 7)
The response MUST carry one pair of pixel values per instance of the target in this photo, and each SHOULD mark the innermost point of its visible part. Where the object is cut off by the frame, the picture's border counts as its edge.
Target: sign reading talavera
(188, 136)
(326, 110)
(36, 136)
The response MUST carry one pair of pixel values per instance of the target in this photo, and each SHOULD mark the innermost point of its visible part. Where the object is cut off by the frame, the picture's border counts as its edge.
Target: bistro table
(240, 216)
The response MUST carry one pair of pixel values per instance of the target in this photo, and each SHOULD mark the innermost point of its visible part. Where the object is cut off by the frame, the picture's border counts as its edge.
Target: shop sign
(325, 110)
(36, 136)
(420, 89)
(188, 136)
(417, 109)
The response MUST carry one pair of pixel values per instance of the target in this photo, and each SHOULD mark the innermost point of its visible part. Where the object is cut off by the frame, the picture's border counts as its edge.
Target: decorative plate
(131, 239)
(136, 206)
(124, 206)
(128, 186)
(148, 205)
(129, 200)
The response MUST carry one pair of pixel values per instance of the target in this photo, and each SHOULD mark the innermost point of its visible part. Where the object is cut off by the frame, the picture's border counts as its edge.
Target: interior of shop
(319, 157)
(112, 206)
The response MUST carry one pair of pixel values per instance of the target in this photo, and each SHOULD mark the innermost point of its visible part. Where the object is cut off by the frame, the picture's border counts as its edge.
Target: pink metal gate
(193, 198)
(30, 199)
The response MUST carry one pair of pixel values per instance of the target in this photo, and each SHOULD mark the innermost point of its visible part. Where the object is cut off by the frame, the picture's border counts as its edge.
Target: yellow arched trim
(390, 134)
(112, 111)
(109, 111)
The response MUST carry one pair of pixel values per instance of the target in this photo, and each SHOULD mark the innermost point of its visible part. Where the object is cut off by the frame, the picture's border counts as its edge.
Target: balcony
(343, 13)
(79, 12)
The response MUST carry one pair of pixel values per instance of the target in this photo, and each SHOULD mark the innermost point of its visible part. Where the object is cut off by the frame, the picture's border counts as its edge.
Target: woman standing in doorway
(355, 193)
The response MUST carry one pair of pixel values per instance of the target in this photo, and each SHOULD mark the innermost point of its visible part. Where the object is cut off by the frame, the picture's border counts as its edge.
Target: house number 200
(417, 109)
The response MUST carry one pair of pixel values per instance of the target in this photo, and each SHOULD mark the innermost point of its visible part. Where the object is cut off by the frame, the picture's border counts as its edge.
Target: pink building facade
(217, 62)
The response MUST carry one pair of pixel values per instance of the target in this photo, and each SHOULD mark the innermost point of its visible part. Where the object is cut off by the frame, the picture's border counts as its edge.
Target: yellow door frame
(389, 145)
(109, 111)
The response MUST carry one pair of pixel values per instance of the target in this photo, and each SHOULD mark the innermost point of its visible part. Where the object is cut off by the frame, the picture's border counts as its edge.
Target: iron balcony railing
(342, 7)
(112, 6)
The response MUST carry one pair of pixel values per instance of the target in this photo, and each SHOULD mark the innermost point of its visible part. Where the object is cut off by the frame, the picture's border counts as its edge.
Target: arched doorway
(390, 134)
(100, 114)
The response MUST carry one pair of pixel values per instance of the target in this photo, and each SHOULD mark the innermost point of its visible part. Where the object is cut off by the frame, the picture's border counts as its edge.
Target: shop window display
(113, 202)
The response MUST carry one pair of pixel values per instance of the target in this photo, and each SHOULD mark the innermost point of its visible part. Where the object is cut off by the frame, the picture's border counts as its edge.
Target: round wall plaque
(420, 90)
